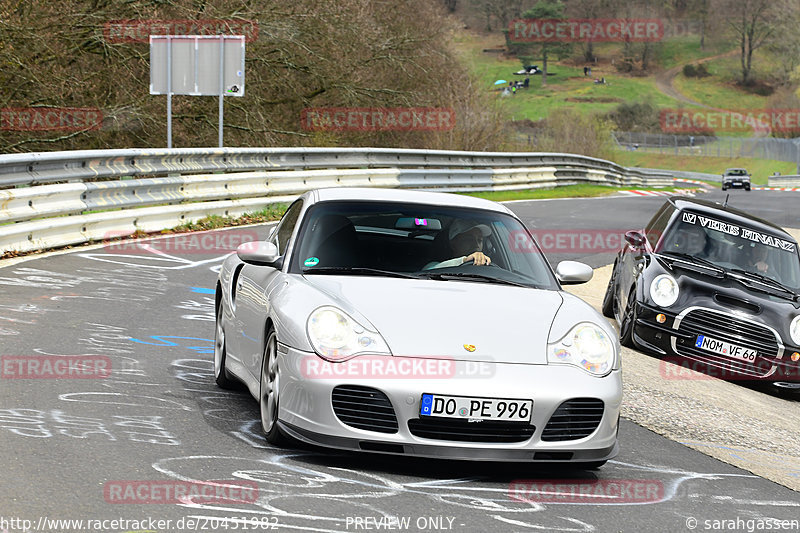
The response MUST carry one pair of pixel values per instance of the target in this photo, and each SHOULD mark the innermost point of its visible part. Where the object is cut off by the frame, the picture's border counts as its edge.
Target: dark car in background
(714, 285)
(736, 178)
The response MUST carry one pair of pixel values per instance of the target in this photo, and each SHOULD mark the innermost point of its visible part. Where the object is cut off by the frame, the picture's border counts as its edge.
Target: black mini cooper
(713, 285)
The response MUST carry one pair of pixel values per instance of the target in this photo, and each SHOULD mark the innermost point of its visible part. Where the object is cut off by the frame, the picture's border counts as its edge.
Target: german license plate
(476, 408)
(725, 348)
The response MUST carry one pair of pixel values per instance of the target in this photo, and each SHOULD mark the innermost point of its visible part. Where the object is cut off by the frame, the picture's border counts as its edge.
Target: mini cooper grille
(466, 431)
(574, 419)
(364, 408)
(726, 327)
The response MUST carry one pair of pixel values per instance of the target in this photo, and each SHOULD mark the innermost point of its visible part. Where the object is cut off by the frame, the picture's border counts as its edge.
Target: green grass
(568, 191)
(715, 92)
(268, 214)
(574, 91)
(680, 50)
(567, 88)
(760, 169)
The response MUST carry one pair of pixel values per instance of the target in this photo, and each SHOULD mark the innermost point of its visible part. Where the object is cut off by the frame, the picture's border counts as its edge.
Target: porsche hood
(470, 321)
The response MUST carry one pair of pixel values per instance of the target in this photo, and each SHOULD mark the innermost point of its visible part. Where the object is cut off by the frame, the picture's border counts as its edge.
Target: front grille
(364, 408)
(732, 329)
(465, 431)
(574, 419)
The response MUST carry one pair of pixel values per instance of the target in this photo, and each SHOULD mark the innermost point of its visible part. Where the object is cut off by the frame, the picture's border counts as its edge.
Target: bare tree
(753, 23)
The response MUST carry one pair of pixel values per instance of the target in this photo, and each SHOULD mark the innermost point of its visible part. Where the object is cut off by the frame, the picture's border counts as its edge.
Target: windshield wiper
(694, 259)
(359, 271)
(765, 280)
(445, 276)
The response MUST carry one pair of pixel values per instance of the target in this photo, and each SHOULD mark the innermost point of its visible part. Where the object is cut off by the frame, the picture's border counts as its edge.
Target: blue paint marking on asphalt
(162, 341)
(202, 290)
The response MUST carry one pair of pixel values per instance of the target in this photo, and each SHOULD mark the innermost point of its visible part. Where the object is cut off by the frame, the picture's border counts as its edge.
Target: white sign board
(198, 65)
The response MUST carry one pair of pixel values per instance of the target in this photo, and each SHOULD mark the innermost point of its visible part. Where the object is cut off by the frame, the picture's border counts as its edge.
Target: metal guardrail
(150, 190)
(687, 175)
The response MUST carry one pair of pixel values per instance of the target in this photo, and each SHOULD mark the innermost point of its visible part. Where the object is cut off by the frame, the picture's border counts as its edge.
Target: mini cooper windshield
(736, 249)
(393, 239)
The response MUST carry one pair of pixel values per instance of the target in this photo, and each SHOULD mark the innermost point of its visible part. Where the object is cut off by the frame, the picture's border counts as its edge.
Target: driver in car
(758, 259)
(466, 242)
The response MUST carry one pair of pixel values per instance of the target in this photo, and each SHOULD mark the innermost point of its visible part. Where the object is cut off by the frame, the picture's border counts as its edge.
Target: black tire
(269, 392)
(221, 375)
(628, 322)
(608, 299)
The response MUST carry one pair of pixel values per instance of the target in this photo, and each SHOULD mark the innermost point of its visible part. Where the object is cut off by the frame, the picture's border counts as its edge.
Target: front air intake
(364, 408)
(574, 419)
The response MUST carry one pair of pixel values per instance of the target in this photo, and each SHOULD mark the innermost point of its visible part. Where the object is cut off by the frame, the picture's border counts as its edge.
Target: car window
(418, 240)
(734, 247)
(655, 228)
(283, 233)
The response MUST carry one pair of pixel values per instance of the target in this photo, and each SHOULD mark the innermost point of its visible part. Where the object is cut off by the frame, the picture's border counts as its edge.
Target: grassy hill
(568, 88)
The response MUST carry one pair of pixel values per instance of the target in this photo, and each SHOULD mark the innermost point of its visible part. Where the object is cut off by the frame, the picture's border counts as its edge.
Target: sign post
(197, 65)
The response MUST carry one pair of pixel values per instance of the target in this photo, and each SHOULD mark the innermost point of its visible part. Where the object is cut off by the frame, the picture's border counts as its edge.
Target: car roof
(404, 195)
(731, 214)
(735, 169)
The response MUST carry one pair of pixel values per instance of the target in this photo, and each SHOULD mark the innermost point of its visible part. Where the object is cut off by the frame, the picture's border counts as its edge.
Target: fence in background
(729, 147)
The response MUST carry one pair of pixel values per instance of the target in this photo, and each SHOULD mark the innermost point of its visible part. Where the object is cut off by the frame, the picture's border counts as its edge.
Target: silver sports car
(417, 323)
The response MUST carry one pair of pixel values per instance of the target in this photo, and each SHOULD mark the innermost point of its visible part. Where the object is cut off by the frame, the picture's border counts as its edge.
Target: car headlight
(586, 346)
(336, 336)
(794, 330)
(664, 290)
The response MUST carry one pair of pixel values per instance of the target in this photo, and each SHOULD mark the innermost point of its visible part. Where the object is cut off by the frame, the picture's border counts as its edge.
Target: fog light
(661, 318)
(795, 356)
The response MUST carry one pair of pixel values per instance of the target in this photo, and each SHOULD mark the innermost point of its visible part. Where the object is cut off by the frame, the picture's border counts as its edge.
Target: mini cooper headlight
(794, 330)
(586, 346)
(336, 336)
(664, 290)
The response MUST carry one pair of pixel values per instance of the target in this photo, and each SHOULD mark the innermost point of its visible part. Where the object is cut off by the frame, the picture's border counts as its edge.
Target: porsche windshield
(734, 248)
(444, 243)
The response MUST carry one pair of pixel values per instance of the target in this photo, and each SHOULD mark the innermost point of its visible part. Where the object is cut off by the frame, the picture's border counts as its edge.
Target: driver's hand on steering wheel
(478, 258)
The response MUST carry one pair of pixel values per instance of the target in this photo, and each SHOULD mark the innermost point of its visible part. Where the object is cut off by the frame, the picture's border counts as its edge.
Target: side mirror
(259, 253)
(573, 272)
(635, 239)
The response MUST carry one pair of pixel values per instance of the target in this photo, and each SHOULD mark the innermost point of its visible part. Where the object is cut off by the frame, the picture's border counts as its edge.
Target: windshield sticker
(732, 229)
(311, 261)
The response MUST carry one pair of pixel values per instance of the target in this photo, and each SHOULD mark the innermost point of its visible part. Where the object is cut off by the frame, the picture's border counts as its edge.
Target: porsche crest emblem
(469, 347)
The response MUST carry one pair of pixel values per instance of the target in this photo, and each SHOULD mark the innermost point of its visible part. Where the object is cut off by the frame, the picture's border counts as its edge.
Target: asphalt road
(74, 447)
